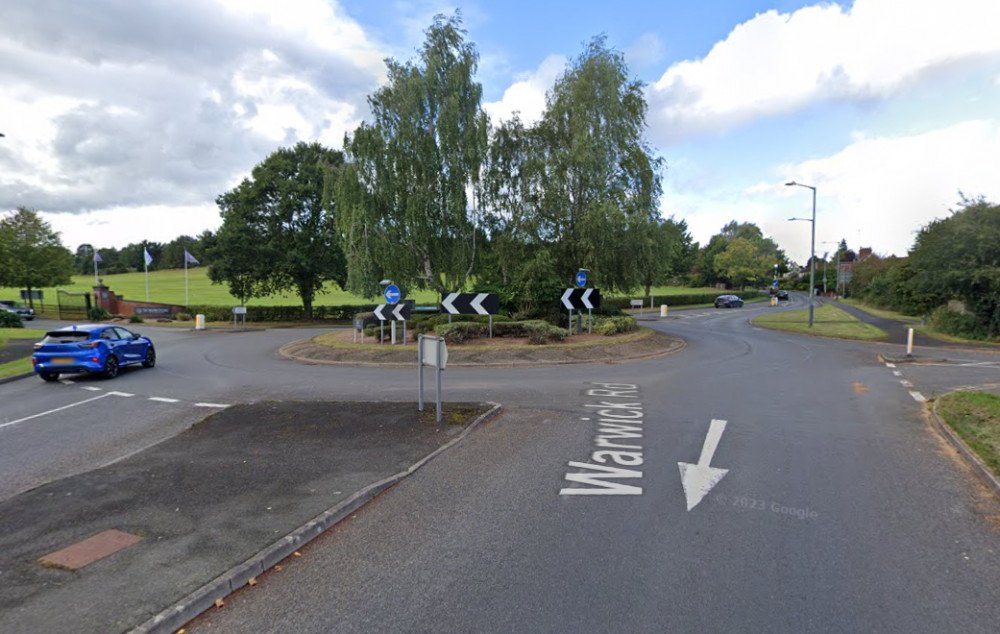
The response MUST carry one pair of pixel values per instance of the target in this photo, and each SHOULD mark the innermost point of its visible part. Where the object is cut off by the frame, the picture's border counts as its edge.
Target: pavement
(200, 515)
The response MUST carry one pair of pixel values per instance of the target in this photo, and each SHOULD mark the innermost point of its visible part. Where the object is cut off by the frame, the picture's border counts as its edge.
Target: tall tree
(667, 251)
(403, 202)
(35, 256)
(599, 183)
(277, 234)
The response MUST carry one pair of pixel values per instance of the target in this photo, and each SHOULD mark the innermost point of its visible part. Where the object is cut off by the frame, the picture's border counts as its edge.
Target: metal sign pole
(420, 371)
(491, 325)
(381, 332)
(590, 323)
(440, 357)
(571, 322)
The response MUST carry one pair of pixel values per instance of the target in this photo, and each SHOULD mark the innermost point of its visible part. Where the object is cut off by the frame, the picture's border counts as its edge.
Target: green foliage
(135, 319)
(609, 326)
(542, 332)
(183, 317)
(10, 320)
(98, 314)
(738, 256)
(280, 313)
(32, 254)
(964, 325)
(402, 202)
(277, 234)
(461, 331)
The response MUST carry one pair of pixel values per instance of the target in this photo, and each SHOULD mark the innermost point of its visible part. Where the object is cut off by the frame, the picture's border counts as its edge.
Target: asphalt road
(841, 510)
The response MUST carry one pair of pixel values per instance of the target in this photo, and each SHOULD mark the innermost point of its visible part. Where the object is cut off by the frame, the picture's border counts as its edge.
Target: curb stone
(187, 609)
(974, 461)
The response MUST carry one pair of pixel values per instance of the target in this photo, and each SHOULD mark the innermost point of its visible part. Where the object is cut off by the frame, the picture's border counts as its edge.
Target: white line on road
(58, 409)
(897, 373)
(91, 388)
(125, 394)
(163, 399)
(890, 365)
(918, 397)
(220, 405)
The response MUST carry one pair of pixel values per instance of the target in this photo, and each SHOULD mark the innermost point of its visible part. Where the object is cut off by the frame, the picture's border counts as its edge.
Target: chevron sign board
(470, 303)
(581, 298)
(392, 312)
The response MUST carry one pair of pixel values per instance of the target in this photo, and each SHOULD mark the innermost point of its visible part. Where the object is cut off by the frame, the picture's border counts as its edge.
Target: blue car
(91, 348)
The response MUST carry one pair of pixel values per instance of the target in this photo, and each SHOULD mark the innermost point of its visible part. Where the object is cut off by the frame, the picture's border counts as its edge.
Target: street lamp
(812, 248)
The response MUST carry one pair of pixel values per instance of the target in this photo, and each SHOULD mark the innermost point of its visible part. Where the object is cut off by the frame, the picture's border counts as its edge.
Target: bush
(542, 332)
(609, 326)
(135, 319)
(10, 320)
(183, 317)
(460, 331)
(956, 324)
(98, 314)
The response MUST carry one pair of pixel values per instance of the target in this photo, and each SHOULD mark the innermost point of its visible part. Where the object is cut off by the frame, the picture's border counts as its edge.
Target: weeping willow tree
(405, 200)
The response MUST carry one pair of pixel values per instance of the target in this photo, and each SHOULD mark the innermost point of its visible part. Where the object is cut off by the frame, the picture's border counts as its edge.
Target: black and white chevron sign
(392, 312)
(581, 298)
(471, 303)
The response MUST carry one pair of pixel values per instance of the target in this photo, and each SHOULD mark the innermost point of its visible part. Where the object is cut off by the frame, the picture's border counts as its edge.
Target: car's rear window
(66, 337)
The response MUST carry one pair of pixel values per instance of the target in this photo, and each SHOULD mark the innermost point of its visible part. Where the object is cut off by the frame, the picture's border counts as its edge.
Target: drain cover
(90, 550)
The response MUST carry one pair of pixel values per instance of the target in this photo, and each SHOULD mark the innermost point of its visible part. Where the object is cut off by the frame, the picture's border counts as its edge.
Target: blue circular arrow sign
(391, 294)
(581, 279)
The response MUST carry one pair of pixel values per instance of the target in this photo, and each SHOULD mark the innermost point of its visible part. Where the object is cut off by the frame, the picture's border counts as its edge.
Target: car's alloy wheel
(111, 367)
(150, 359)
(49, 376)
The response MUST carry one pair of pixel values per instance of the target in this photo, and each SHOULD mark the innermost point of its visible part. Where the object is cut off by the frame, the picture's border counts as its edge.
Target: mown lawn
(828, 321)
(975, 417)
(167, 287)
(19, 366)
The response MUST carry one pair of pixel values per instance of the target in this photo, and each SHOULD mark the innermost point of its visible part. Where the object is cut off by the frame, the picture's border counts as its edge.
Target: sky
(124, 120)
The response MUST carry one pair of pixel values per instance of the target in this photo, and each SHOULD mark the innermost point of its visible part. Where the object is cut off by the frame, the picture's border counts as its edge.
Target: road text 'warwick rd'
(617, 449)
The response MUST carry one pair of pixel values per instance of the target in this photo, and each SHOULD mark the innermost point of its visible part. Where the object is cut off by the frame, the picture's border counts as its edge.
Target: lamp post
(812, 248)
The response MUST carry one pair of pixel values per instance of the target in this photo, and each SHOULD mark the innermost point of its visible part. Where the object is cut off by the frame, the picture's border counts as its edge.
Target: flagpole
(146, 265)
(185, 280)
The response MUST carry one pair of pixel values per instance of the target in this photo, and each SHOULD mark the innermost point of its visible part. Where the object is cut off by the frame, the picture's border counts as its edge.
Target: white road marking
(698, 479)
(58, 409)
(66, 381)
(918, 397)
(897, 373)
(890, 365)
(905, 383)
(125, 394)
(91, 388)
(220, 405)
(163, 399)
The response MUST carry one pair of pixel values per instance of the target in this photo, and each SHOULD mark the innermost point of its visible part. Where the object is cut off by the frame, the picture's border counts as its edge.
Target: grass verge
(18, 366)
(331, 339)
(975, 417)
(828, 321)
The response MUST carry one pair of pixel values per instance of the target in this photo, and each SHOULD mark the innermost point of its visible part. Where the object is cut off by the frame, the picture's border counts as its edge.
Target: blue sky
(124, 121)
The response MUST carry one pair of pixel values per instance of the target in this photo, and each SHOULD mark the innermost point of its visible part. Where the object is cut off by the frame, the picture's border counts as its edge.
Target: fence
(73, 306)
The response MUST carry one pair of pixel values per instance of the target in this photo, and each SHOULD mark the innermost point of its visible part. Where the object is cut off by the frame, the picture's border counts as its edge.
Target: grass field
(828, 321)
(975, 416)
(167, 287)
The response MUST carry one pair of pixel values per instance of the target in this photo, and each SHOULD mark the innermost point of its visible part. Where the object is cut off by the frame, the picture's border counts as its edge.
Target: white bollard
(199, 322)
(663, 310)
(909, 341)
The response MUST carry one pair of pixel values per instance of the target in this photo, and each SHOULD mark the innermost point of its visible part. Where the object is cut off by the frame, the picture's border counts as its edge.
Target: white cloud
(527, 95)
(877, 191)
(777, 63)
(117, 106)
(118, 226)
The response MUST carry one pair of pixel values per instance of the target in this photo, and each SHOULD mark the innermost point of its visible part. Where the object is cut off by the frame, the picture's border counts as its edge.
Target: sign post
(242, 312)
(471, 304)
(393, 313)
(580, 298)
(433, 352)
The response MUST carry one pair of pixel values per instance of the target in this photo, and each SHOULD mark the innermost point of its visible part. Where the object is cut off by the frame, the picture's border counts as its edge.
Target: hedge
(279, 313)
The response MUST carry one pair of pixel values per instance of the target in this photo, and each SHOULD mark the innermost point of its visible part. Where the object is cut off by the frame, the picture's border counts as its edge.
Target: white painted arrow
(698, 479)
(477, 304)
(586, 298)
(448, 303)
(565, 298)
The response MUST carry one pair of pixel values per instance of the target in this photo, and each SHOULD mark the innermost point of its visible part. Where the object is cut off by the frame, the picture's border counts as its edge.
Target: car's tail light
(34, 361)
(87, 344)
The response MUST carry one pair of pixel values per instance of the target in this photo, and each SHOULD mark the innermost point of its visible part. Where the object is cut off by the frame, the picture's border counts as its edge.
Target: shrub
(957, 324)
(10, 320)
(135, 319)
(98, 314)
(460, 331)
(541, 332)
(183, 317)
